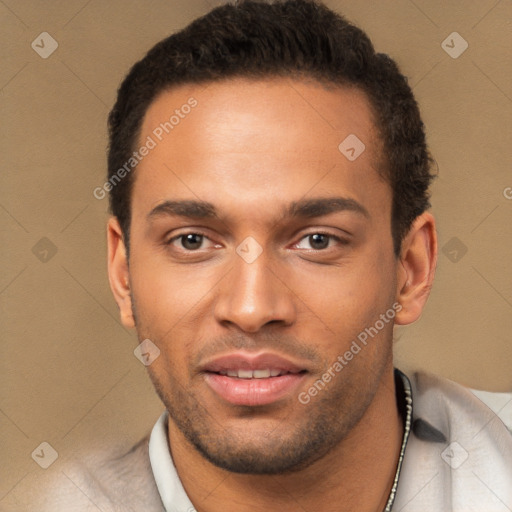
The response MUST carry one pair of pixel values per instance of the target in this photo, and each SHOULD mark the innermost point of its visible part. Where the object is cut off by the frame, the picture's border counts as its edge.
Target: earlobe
(118, 272)
(416, 268)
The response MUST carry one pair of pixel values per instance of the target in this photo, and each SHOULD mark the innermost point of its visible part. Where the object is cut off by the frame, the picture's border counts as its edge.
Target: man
(268, 177)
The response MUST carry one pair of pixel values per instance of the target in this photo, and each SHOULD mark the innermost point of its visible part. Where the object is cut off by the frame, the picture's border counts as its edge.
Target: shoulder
(109, 480)
(459, 453)
(455, 411)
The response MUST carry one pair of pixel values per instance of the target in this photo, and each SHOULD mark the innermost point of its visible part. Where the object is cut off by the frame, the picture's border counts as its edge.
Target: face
(259, 252)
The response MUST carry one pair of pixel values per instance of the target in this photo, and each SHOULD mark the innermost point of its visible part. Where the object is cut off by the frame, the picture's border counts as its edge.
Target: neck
(357, 474)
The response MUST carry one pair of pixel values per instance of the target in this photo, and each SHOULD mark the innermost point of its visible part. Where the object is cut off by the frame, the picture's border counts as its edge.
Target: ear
(416, 268)
(118, 272)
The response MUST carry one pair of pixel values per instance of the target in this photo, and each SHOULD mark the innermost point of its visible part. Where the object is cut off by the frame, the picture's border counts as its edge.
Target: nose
(253, 296)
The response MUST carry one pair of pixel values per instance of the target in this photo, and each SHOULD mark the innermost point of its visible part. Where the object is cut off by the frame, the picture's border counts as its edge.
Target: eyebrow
(184, 208)
(317, 207)
(307, 208)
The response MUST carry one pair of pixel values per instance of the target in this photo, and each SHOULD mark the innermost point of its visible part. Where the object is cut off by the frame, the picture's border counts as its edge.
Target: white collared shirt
(172, 494)
(458, 457)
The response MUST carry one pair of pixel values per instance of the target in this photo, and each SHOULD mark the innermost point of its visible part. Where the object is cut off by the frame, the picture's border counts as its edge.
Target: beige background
(68, 375)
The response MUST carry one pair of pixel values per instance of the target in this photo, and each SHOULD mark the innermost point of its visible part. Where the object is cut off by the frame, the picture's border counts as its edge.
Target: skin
(252, 148)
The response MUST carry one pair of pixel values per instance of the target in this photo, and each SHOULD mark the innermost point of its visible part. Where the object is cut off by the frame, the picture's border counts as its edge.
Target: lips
(253, 374)
(251, 380)
(252, 362)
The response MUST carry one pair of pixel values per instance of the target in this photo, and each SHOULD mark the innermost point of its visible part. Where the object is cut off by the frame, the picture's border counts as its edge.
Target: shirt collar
(172, 493)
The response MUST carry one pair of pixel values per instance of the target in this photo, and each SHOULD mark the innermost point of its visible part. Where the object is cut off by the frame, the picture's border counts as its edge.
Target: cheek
(346, 301)
(359, 289)
(171, 305)
(165, 294)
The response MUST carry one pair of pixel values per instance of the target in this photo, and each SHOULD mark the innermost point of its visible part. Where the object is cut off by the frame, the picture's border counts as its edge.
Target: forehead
(258, 141)
(275, 103)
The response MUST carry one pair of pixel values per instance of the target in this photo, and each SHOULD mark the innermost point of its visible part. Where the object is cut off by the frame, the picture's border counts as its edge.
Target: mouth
(252, 380)
(256, 374)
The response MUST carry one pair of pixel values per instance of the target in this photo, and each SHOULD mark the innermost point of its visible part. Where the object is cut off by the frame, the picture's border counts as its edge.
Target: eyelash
(183, 235)
(339, 240)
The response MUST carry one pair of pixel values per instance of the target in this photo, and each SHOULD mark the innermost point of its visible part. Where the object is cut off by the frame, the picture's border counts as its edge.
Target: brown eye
(319, 241)
(191, 241)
